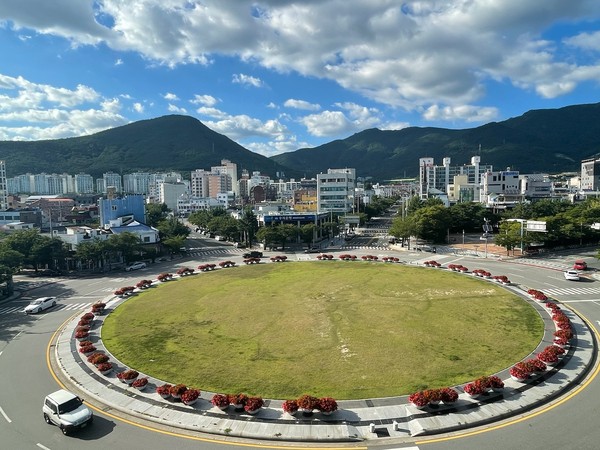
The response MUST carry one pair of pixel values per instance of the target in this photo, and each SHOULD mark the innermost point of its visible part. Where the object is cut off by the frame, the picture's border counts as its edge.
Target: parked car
(135, 266)
(66, 410)
(571, 275)
(313, 250)
(40, 304)
(253, 254)
(580, 264)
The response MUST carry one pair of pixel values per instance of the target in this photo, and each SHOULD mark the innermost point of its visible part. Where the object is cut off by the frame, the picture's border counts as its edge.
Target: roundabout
(338, 329)
(356, 419)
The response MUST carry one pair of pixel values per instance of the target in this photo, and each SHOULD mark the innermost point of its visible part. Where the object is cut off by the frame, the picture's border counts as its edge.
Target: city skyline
(279, 76)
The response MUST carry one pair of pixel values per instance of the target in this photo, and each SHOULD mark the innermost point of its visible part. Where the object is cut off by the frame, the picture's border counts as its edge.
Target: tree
(155, 212)
(92, 253)
(511, 235)
(174, 243)
(172, 227)
(248, 225)
(403, 228)
(431, 223)
(125, 245)
(307, 233)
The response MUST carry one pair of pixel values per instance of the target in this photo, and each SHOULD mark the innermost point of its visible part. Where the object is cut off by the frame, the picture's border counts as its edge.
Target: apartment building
(335, 190)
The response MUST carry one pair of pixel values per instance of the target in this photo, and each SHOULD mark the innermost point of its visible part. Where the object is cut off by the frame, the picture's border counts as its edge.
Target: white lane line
(580, 301)
(5, 416)
(43, 447)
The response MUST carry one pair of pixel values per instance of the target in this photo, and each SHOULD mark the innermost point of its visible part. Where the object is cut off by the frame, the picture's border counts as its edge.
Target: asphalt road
(26, 377)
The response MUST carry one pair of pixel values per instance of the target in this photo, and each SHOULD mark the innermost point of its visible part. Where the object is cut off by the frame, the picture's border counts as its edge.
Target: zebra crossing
(59, 307)
(558, 265)
(198, 252)
(572, 291)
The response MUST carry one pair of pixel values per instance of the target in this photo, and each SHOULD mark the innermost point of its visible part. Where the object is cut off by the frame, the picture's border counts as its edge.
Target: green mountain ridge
(548, 140)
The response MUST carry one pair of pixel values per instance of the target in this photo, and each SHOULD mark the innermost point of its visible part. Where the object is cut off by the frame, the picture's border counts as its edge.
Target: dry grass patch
(343, 329)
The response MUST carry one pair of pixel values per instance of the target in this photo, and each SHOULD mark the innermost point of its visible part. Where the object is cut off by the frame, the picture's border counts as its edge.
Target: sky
(279, 75)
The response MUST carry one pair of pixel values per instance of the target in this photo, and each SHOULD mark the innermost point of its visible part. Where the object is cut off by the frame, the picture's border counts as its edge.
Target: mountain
(173, 142)
(549, 140)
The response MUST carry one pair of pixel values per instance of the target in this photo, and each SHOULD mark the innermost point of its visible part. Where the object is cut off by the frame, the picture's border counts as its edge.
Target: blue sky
(280, 75)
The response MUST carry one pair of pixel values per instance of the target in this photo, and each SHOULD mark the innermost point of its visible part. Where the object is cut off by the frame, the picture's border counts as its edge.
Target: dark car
(253, 254)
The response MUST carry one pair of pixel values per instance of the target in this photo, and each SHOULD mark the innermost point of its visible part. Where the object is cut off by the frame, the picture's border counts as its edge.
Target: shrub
(81, 334)
(476, 387)
(178, 390)
(87, 349)
(140, 382)
(448, 395)
(307, 402)
(87, 316)
(418, 399)
(327, 405)
(253, 403)
(495, 382)
(220, 400)
(433, 395)
(128, 375)
(190, 395)
(85, 343)
(164, 390)
(97, 358)
(238, 399)
(290, 406)
(104, 367)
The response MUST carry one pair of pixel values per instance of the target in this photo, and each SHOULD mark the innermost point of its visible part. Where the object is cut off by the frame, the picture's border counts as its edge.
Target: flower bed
(448, 395)
(164, 391)
(327, 405)
(221, 401)
(104, 368)
(128, 376)
(226, 264)
(164, 277)
(390, 259)
(279, 258)
(307, 402)
(290, 406)
(324, 257)
(347, 257)
(140, 383)
(183, 271)
(238, 400)
(434, 396)
(369, 258)
(252, 261)
(178, 390)
(253, 404)
(98, 308)
(477, 387)
(190, 396)
(88, 349)
(97, 358)
(501, 279)
(432, 264)
(418, 399)
(520, 371)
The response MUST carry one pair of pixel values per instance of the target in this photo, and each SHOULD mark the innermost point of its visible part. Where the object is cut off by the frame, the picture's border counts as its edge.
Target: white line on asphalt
(43, 447)
(5, 416)
(579, 301)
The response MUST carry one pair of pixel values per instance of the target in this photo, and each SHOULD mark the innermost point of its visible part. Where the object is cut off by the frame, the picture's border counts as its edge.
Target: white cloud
(466, 113)
(138, 107)
(586, 41)
(176, 109)
(170, 97)
(301, 104)
(205, 100)
(243, 126)
(353, 118)
(31, 111)
(247, 80)
(119, 62)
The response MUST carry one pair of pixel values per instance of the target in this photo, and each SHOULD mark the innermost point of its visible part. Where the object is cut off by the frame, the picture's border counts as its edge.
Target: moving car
(253, 254)
(135, 266)
(580, 264)
(66, 410)
(571, 275)
(39, 305)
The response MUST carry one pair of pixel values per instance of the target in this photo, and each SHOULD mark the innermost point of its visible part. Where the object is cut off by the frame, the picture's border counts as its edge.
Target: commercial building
(442, 177)
(335, 190)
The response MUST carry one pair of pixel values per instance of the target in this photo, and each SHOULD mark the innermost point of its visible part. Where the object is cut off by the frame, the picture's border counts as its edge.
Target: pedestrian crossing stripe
(58, 307)
(571, 291)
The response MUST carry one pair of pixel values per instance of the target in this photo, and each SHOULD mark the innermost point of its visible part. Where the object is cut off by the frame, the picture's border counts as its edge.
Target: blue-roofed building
(126, 206)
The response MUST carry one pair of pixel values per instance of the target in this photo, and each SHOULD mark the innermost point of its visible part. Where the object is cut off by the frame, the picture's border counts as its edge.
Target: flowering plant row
(501, 279)
(125, 290)
(481, 273)
(252, 261)
(206, 267)
(347, 257)
(432, 264)
(143, 284)
(369, 258)
(183, 271)
(390, 259)
(164, 277)
(226, 264)
(537, 295)
(421, 399)
(279, 258)
(457, 268)
(324, 257)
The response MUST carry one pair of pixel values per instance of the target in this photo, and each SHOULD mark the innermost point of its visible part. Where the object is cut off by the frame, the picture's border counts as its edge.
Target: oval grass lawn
(348, 330)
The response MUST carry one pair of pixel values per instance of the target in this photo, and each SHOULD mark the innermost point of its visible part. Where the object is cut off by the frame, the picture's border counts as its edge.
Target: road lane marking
(43, 447)
(5, 416)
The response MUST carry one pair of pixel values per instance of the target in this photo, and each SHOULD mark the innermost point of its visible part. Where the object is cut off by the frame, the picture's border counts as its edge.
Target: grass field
(343, 329)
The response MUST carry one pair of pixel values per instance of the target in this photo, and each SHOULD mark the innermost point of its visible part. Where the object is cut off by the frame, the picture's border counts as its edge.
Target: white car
(135, 266)
(571, 275)
(66, 410)
(40, 304)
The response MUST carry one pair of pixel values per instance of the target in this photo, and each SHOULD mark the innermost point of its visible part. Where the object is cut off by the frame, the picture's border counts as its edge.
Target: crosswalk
(572, 291)
(60, 306)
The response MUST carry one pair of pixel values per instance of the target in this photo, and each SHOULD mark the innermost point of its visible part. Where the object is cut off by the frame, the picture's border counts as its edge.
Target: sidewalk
(357, 420)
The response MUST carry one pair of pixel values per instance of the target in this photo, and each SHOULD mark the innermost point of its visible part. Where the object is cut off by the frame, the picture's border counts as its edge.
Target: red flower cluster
(324, 257)
(347, 257)
(457, 268)
(537, 295)
(432, 264)
(369, 258)
(481, 273)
